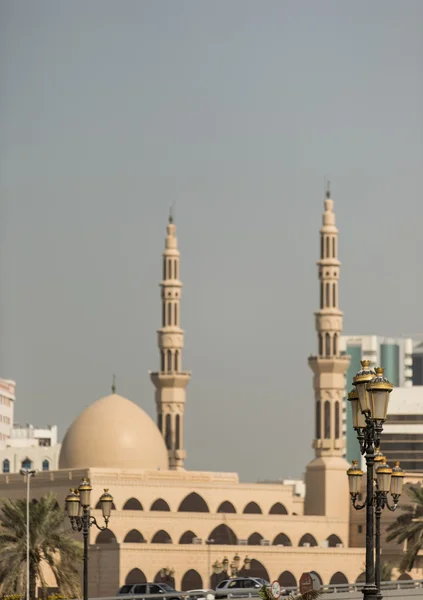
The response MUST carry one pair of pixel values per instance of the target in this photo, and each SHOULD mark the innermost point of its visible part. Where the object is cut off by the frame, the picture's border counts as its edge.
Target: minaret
(329, 369)
(170, 382)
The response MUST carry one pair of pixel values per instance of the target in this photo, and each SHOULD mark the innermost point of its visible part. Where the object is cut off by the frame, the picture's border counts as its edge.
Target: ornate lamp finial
(114, 385)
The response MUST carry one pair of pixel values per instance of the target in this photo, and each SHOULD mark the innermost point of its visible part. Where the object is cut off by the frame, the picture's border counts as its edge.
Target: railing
(408, 584)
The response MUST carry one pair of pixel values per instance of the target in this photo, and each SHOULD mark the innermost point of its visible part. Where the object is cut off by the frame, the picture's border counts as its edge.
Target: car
(139, 589)
(199, 595)
(237, 585)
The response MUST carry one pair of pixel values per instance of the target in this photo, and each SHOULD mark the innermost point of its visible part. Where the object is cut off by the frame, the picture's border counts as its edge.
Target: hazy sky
(235, 112)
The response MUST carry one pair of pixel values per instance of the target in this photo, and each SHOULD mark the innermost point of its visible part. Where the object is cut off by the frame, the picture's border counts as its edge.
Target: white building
(7, 404)
(30, 447)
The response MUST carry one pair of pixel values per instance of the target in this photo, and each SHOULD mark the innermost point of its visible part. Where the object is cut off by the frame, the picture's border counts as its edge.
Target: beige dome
(113, 433)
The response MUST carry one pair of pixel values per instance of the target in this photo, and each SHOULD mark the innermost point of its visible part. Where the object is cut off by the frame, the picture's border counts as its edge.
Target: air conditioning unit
(197, 540)
(339, 545)
(264, 542)
(306, 545)
(242, 542)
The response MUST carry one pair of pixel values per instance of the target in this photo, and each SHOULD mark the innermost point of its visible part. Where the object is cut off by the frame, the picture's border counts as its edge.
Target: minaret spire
(170, 382)
(326, 487)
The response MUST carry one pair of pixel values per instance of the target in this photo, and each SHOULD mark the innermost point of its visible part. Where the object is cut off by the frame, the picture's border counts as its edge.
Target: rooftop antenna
(114, 385)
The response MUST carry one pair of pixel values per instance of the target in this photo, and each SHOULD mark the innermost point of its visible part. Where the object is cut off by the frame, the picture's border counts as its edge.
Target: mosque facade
(165, 516)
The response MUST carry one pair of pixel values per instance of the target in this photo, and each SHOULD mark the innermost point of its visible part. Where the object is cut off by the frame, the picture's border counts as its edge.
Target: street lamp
(28, 473)
(369, 406)
(222, 567)
(78, 509)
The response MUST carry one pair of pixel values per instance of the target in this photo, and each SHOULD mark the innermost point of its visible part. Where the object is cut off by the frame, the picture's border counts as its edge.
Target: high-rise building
(417, 358)
(170, 382)
(7, 407)
(394, 354)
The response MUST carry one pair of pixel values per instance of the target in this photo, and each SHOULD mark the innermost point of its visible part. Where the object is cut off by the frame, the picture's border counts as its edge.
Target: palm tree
(50, 544)
(409, 527)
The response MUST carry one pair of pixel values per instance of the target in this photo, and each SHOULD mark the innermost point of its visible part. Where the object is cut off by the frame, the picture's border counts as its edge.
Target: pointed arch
(257, 569)
(287, 580)
(134, 537)
(191, 581)
(307, 539)
(327, 419)
(333, 540)
(187, 537)
(161, 537)
(226, 507)
(252, 508)
(46, 465)
(26, 463)
(193, 503)
(255, 539)
(327, 343)
(282, 540)
(223, 535)
(361, 578)
(278, 509)
(6, 465)
(132, 504)
(106, 537)
(136, 576)
(160, 505)
(338, 578)
(162, 578)
(405, 577)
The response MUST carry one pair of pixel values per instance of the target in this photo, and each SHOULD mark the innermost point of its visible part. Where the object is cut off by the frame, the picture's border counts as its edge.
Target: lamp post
(78, 509)
(369, 405)
(28, 473)
(222, 567)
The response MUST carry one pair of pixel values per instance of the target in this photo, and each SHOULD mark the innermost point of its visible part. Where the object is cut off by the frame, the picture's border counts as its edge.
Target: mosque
(167, 517)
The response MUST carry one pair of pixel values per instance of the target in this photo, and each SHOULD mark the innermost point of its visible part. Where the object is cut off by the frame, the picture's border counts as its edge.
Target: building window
(321, 295)
(360, 528)
(318, 420)
(333, 248)
(337, 420)
(164, 268)
(6, 466)
(175, 269)
(176, 360)
(333, 294)
(169, 313)
(162, 360)
(327, 247)
(327, 420)
(169, 361)
(178, 432)
(169, 266)
(46, 465)
(168, 435)
(327, 299)
(164, 314)
(327, 344)
(26, 464)
(322, 245)
(320, 344)
(335, 344)
(175, 309)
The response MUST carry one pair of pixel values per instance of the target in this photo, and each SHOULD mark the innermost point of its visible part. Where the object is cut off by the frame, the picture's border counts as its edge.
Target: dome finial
(328, 189)
(171, 214)
(114, 385)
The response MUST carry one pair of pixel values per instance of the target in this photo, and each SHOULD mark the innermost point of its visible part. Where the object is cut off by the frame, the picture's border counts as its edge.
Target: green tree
(49, 544)
(409, 527)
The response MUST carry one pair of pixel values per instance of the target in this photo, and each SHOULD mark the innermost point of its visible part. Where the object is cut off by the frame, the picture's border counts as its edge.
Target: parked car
(237, 585)
(138, 589)
(199, 595)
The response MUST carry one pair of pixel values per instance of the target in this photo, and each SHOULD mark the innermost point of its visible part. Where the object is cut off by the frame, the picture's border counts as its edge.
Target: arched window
(176, 274)
(187, 537)
(308, 539)
(335, 344)
(164, 268)
(333, 294)
(134, 537)
(46, 465)
(193, 503)
(257, 569)
(333, 541)
(169, 361)
(318, 420)
(281, 540)
(255, 539)
(278, 509)
(26, 463)
(162, 360)
(191, 581)
(223, 536)
(327, 299)
(226, 507)
(178, 432)
(321, 295)
(287, 580)
(175, 316)
(333, 247)
(338, 579)
(160, 505)
(169, 313)
(327, 420)
(252, 508)
(168, 434)
(136, 576)
(164, 314)
(327, 344)
(98, 506)
(176, 360)
(169, 266)
(106, 537)
(6, 465)
(361, 578)
(161, 537)
(327, 247)
(320, 344)
(322, 246)
(132, 504)
(337, 421)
